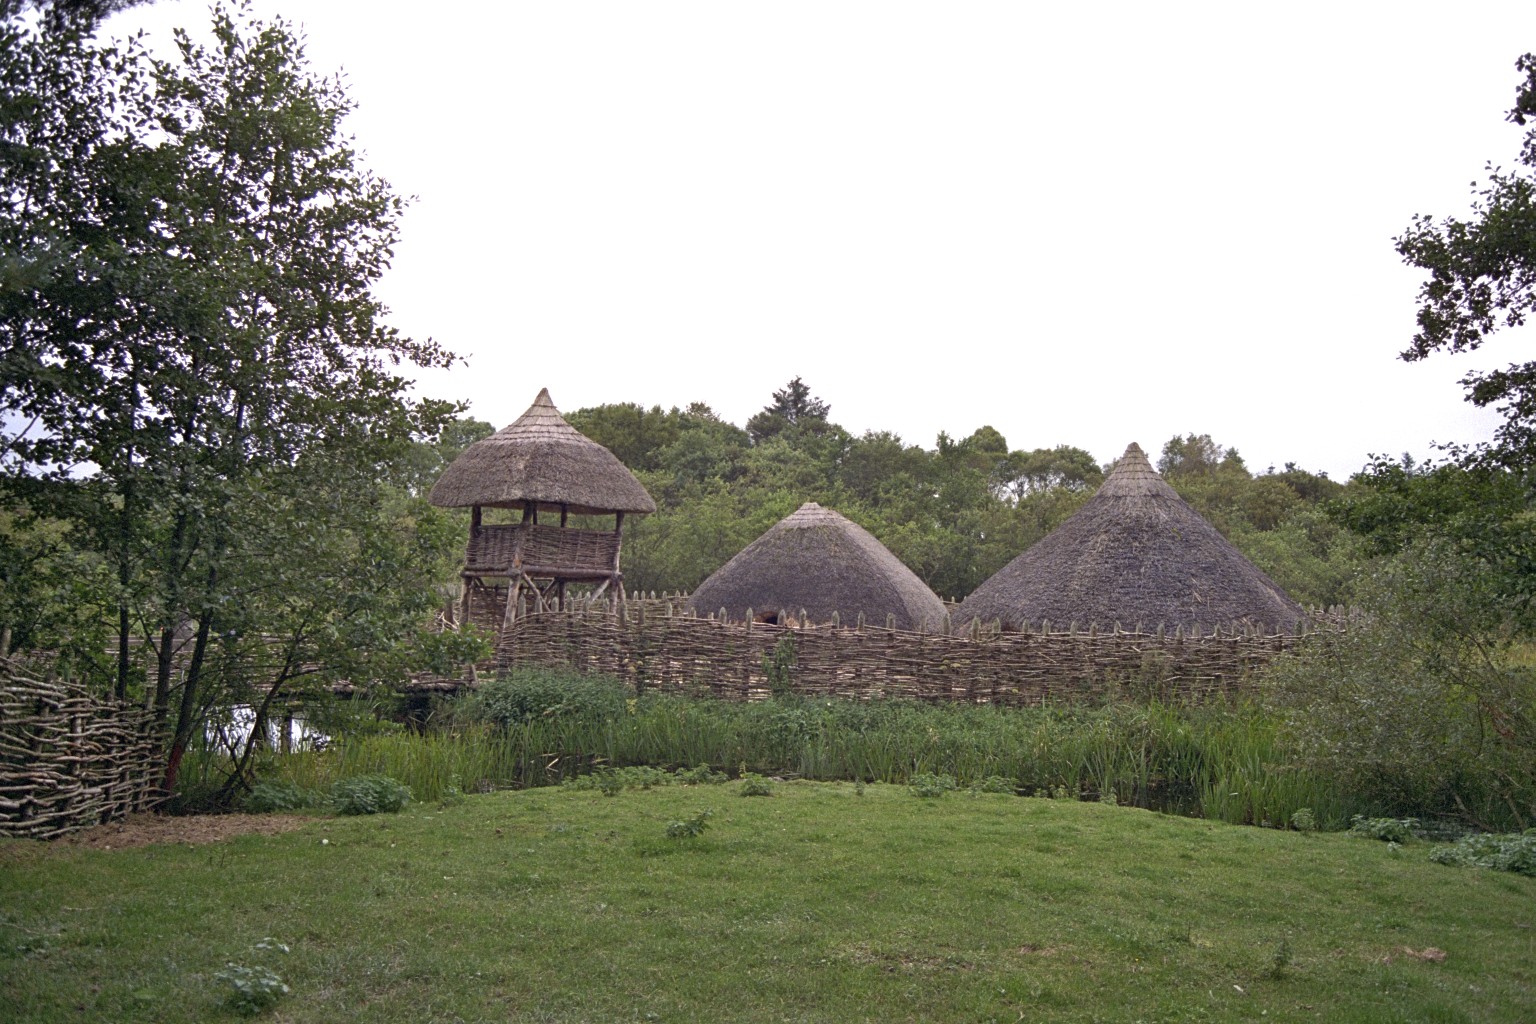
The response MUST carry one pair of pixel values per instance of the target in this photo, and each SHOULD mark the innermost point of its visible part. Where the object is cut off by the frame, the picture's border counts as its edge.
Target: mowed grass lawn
(819, 903)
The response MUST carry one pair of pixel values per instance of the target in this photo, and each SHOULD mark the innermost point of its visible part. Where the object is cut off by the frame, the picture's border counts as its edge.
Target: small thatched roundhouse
(538, 464)
(543, 462)
(819, 561)
(1135, 554)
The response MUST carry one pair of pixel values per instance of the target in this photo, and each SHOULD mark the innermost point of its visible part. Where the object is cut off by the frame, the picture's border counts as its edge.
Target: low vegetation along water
(1224, 761)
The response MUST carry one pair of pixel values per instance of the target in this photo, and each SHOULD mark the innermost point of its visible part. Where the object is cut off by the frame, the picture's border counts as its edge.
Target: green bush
(994, 784)
(1388, 830)
(1515, 853)
(369, 794)
(278, 796)
(690, 827)
(1423, 705)
(612, 781)
(530, 694)
(252, 988)
(700, 774)
(753, 784)
(931, 786)
(249, 990)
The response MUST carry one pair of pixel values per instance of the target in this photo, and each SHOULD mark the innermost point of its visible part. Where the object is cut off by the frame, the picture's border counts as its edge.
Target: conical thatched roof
(1136, 553)
(542, 459)
(817, 560)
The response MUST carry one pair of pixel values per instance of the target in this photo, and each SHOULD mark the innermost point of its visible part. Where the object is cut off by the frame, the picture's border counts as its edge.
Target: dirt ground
(144, 829)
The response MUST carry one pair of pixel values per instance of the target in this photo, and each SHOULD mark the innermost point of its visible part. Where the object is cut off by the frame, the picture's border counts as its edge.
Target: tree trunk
(187, 716)
(124, 579)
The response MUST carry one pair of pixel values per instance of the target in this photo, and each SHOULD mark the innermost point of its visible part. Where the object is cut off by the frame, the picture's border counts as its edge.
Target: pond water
(231, 730)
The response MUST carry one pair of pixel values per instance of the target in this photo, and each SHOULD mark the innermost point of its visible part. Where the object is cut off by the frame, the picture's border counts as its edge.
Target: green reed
(1221, 760)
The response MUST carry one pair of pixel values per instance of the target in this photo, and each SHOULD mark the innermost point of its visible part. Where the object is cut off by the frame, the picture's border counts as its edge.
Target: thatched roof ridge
(1133, 476)
(821, 561)
(542, 459)
(1135, 553)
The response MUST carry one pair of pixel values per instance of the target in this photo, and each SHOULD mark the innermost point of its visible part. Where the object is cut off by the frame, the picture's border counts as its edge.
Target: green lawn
(818, 903)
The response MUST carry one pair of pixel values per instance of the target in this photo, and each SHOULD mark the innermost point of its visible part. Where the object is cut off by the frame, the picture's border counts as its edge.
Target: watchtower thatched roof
(1136, 553)
(544, 460)
(818, 560)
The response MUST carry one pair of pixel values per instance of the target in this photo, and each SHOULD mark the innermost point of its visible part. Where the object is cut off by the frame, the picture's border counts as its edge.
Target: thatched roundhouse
(541, 461)
(817, 560)
(1134, 554)
(539, 464)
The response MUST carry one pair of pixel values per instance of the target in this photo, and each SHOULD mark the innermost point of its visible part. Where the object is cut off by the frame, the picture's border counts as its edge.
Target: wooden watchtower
(539, 464)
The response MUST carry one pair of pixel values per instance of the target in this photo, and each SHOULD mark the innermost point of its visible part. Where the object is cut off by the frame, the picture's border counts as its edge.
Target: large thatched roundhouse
(819, 561)
(539, 464)
(1135, 554)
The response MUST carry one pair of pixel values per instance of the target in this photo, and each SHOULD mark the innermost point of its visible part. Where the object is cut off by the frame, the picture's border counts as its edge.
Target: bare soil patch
(192, 829)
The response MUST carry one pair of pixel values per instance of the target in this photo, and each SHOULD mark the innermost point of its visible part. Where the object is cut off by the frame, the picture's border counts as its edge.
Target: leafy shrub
(528, 694)
(753, 784)
(690, 827)
(250, 989)
(612, 781)
(779, 666)
(931, 786)
(278, 796)
(1304, 820)
(994, 784)
(369, 794)
(1515, 853)
(453, 793)
(700, 774)
(1423, 705)
(1388, 830)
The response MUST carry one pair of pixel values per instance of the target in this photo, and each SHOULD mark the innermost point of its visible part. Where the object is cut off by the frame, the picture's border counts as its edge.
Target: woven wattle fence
(69, 760)
(654, 650)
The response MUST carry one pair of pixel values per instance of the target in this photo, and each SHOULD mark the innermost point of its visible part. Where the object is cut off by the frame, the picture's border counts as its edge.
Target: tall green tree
(66, 15)
(1482, 276)
(1042, 469)
(792, 407)
(187, 313)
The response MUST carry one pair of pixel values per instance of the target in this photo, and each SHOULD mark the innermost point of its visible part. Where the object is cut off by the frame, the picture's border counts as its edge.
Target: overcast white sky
(1079, 223)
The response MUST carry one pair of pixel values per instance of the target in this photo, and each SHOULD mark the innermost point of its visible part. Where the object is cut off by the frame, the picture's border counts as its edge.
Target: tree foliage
(793, 407)
(1482, 276)
(190, 343)
(1478, 509)
(1425, 703)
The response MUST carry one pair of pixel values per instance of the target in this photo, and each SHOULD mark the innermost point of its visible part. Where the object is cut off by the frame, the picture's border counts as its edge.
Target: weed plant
(251, 988)
(690, 827)
(753, 784)
(279, 795)
(369, 794)
(931, 786)
(1515, 853)
(1388, 830)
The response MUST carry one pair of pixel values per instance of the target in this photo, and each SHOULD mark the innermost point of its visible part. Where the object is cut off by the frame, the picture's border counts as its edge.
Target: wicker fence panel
(660, 650)
(69, 760)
